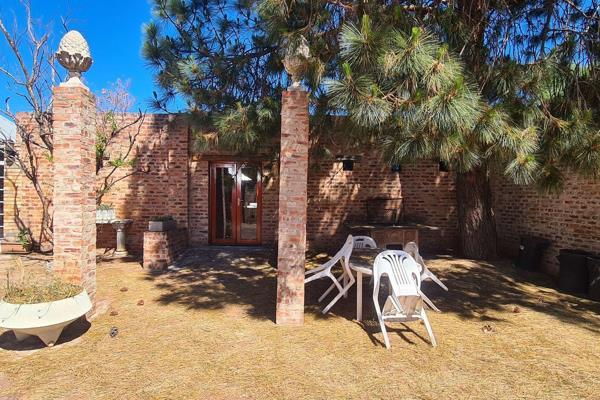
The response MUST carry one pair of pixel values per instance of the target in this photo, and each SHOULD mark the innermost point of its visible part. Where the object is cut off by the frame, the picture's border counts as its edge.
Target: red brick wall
(161, 150)
(22, 207)
(570, 219)
(162, 248)
(270, 215)
(178, 186)
(198, 201)
(337, 196)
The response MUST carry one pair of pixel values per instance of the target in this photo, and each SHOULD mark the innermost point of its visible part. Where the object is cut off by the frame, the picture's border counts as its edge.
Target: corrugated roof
(7, 128)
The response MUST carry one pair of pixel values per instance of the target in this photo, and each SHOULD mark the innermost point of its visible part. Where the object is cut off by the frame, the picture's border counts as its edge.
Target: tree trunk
(476, 225)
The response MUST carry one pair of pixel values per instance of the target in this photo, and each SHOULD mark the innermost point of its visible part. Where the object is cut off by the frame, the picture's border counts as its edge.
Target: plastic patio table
(362, 261)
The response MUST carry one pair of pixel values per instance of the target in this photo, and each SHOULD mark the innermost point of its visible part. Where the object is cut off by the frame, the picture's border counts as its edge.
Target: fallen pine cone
(114, 331)
(140, 303)
(516, 309)
(124, 289)
(114, 313)
(487, 329)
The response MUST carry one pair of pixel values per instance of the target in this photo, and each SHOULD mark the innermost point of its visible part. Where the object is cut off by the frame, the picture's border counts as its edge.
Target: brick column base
(293, 167)
(74, 196)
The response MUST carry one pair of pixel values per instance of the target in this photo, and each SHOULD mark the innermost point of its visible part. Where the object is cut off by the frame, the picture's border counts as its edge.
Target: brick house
(192, 186)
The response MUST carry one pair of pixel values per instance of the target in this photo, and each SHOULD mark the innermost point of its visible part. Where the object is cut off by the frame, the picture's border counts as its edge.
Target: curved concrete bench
(44, 320)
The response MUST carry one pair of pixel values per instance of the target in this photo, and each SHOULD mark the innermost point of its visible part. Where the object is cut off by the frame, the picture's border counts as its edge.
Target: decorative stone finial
(74, 54)
(295, 61)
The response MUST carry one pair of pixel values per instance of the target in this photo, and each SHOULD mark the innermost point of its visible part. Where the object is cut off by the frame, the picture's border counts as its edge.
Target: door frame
(236, 206)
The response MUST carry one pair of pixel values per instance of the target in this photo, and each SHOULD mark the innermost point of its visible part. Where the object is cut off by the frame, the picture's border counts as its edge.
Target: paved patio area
(205, 329)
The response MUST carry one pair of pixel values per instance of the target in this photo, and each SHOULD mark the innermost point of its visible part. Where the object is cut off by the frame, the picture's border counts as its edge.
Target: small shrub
(24, 238)
(41, 293)
(162, 218)
(23, 286)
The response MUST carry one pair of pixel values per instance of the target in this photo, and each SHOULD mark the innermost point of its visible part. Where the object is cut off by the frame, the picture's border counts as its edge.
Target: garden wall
(173, 183)
(162, 187)
(337, 196)
(161, 152)
(22, 206)
(570, 219)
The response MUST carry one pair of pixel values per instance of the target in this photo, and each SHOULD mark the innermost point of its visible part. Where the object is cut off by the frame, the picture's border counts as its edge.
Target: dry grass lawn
(207, 331)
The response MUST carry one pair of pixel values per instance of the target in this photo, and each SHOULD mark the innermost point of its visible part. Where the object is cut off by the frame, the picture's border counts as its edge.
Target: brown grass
(41, 293)
(28, 281)
(207, 331)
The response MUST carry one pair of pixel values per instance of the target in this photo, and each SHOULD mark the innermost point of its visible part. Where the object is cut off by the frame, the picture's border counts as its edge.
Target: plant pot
(162, 226)
(7, 247)
(573, 273)
(44, 320)
(105, 216)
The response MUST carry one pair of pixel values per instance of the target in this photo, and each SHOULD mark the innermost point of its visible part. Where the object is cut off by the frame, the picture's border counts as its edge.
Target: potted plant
(161, 224)
(42, 310)
(21, 245)
(105, 214)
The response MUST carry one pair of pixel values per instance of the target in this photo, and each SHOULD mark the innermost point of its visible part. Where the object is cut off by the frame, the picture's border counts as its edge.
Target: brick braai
(293, 175)
(74, 196)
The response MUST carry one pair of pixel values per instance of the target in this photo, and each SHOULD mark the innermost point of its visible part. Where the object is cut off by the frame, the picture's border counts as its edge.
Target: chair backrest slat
(402, 271)
(344, 253)
(364, 242)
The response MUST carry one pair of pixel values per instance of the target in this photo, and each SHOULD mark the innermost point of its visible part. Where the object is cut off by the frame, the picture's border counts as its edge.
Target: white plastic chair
(406, 301)
(364, 242)
(413, 249)
(343, 282)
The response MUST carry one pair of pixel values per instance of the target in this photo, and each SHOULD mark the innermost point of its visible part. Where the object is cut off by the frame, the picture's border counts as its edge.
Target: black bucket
(593, 264)
(573, 274)
(531, 251)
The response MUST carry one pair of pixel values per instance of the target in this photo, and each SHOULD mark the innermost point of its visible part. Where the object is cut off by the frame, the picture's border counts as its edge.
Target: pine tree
(488, 87)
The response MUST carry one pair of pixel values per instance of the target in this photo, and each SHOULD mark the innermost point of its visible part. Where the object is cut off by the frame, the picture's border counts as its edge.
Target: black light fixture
(443, 167)
(397, 168)
(347, 162)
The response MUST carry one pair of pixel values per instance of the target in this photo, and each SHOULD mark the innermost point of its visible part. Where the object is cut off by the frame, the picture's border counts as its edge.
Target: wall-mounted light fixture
(443, 167)
(347, 162)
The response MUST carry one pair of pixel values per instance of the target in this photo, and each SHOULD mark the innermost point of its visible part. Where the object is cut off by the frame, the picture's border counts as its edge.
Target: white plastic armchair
(364, 242)
(413, 249)
(343, 282)
(406, 301)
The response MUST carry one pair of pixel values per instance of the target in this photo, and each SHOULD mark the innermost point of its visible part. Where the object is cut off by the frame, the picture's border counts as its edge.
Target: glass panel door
(249, 210)
(223, 201)
(235, 203)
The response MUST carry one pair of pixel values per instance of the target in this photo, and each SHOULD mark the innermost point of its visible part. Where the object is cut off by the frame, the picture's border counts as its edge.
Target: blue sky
(113, 30)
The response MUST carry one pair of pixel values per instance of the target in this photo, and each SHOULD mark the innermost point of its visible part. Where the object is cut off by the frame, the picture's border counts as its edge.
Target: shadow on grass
(218, 277)
(479, 287)
(72, 332)
(215, 277)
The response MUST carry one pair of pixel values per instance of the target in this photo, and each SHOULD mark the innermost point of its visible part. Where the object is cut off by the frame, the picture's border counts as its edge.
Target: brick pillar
(293, 167)
(74, 196)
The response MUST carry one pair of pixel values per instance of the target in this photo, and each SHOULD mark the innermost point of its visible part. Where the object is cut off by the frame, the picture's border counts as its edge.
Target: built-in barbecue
(386, 222)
